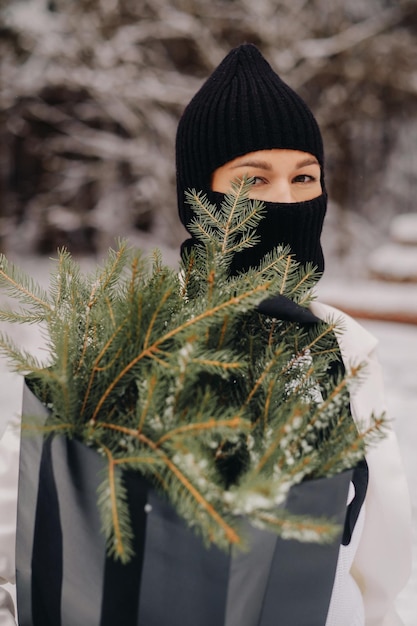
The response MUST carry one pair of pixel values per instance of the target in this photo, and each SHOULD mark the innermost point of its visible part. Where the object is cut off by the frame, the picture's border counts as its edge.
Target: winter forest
(91, 92)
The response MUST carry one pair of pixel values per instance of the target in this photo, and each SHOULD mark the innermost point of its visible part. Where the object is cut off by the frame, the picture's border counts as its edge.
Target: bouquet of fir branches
(180, 377)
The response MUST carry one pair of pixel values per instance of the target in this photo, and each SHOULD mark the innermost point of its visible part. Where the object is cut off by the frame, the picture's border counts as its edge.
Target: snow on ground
(397, 259)
(398, 354)
(387, 301)
(394, 261)
(403, 229)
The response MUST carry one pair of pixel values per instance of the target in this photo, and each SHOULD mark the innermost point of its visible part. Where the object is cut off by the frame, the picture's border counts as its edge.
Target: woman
(245, 121)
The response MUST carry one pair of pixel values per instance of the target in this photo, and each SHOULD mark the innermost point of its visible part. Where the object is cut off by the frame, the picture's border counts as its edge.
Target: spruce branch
(150, 350)
(112, 497)
(230, 534)
(20, 359)
(22, 287)
(292, 527)
(188, 430)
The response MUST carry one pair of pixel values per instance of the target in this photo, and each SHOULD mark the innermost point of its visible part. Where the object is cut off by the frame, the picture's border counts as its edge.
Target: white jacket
(382, 561)
(9, 466)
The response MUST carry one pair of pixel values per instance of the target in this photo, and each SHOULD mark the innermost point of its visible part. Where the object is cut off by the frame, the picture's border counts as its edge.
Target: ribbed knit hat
(243, 106)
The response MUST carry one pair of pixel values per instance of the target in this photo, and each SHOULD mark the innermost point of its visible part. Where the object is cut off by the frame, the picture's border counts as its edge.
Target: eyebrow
(262, 165)
(308, 161)
(265, 165)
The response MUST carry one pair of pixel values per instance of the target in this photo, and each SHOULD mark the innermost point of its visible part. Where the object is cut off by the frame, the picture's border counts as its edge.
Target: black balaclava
(244, 106)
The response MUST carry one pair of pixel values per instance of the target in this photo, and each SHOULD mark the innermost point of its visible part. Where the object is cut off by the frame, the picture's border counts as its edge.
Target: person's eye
(258, 180)
(304, 178)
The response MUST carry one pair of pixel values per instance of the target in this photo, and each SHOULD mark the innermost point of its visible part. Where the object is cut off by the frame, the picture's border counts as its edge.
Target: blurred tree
(91, 92)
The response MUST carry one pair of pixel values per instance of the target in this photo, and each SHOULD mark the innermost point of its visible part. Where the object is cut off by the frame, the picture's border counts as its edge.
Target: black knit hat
(244, 106)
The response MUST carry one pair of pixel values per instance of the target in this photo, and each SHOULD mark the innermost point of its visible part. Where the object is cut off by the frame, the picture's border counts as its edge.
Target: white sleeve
(346, 604)
(9, 469)
(382, 563)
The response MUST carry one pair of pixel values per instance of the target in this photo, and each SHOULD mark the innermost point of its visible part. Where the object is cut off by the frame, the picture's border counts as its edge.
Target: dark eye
(304, 178)
(258, 180)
